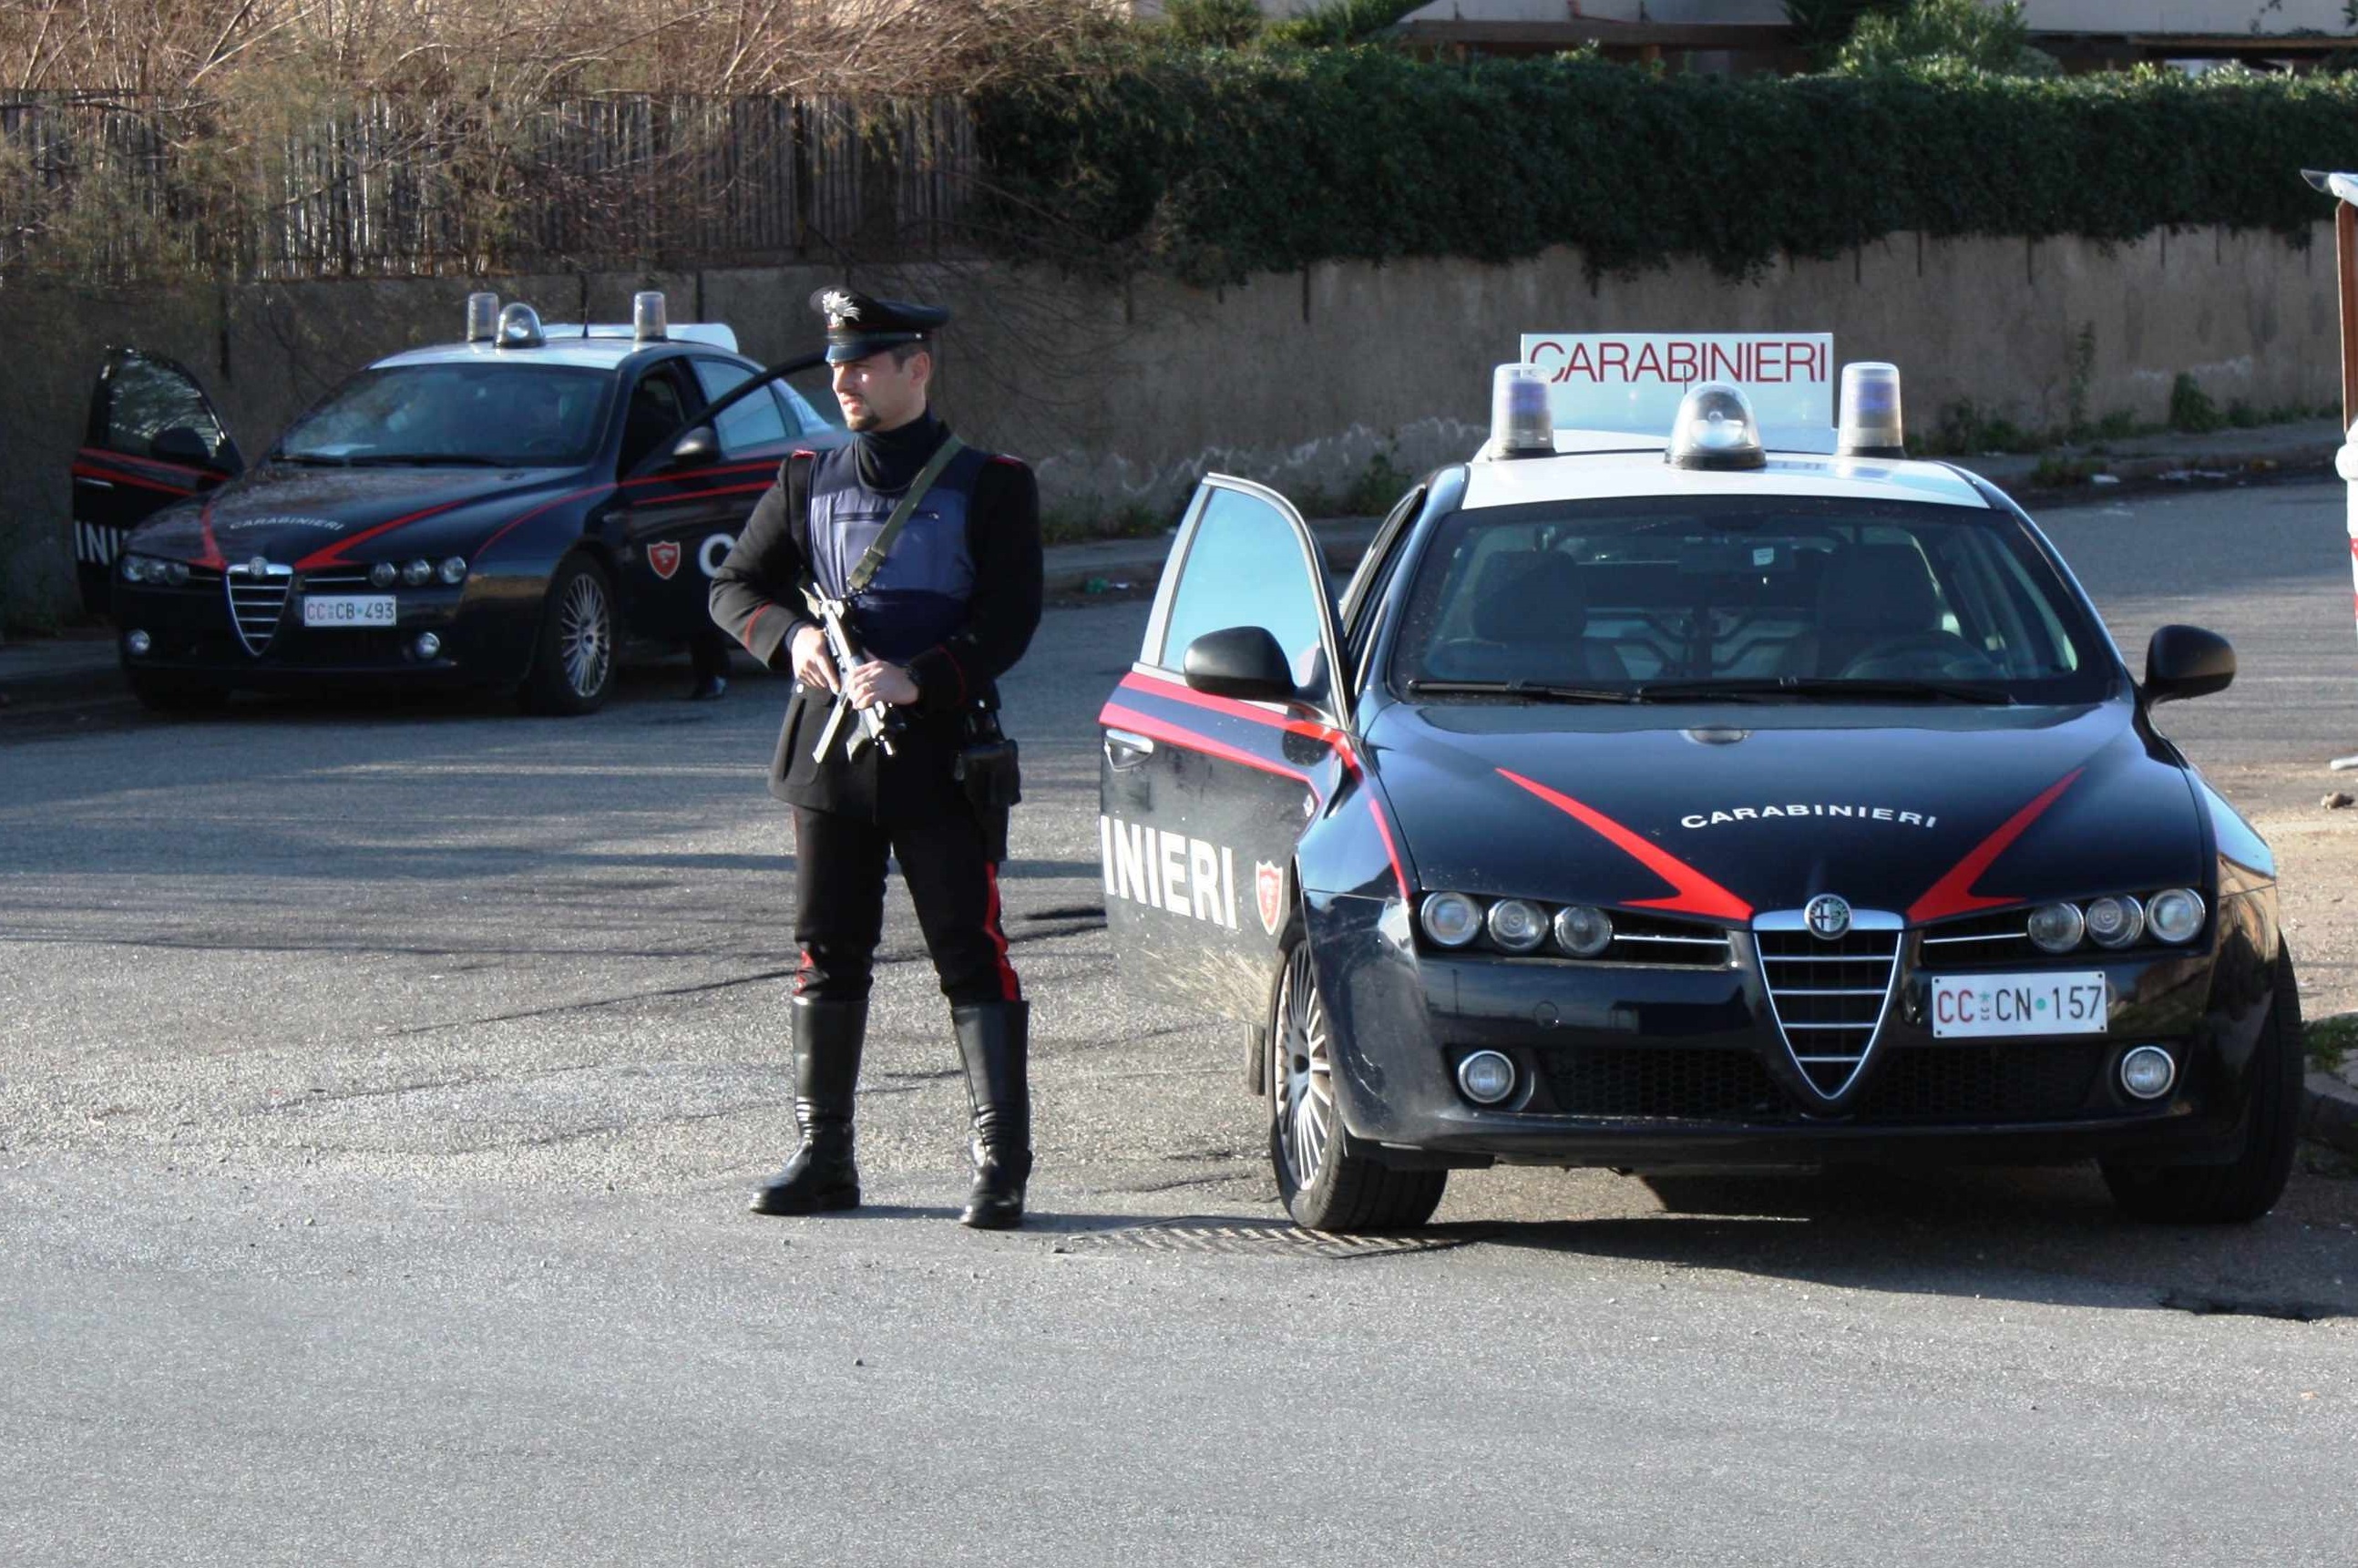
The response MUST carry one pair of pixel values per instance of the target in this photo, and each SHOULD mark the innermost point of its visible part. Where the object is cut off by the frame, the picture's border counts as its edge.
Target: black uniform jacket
(757, 600)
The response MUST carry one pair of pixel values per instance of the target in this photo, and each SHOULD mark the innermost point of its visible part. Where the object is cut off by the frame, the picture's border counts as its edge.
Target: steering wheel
(1942, 653)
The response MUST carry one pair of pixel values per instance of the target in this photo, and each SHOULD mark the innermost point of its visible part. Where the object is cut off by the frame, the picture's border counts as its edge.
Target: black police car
(510, 510)
(1760, 809)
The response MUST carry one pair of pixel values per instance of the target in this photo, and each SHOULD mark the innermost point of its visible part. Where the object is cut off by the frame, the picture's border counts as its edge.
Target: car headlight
(2116, 922)
(1516, 926)
(2175, 914)
(454, 570)
(149, 569)
(416, 574)
(2057, 927)
(1452, 919)
(134, 568)
(1582, 932)
(384, 574)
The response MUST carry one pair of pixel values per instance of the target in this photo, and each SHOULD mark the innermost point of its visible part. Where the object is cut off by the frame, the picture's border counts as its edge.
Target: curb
(2329, 1112)
(2143, 473)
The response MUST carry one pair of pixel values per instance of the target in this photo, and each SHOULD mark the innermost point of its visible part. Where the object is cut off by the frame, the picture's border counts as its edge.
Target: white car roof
(1594, 465)
(603, 348)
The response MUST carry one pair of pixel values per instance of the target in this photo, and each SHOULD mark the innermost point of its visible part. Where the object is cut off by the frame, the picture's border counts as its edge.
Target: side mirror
(698, 446)
(182, 445)
(1242, 662)
(2186, 661)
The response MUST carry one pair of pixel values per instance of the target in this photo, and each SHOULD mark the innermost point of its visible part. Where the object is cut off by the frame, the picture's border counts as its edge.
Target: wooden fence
(408, 187)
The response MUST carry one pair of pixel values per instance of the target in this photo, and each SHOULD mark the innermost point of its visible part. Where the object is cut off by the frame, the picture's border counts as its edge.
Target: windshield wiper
(1819, 685)
(1522, 688)
(423, 459)
(320, 460)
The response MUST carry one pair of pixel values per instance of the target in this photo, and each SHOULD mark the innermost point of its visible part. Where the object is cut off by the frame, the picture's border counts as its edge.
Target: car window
(1245, 568)
(463, 411)
(146, 398)
(753, 420)
(1679, 590)
(810, 394)
(658, 407)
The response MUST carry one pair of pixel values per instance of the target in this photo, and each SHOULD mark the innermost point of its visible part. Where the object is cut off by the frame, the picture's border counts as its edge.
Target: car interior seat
(1529, 621)
(1871, 595)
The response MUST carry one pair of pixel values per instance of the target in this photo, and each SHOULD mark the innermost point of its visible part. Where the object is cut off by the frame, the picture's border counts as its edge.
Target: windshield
(504, 415)
(1694, 598)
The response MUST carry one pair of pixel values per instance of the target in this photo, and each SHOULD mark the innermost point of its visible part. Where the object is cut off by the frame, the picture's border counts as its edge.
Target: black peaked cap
(859, 325)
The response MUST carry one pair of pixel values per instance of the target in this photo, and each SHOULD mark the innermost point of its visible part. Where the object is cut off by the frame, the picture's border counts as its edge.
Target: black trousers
(840, 863)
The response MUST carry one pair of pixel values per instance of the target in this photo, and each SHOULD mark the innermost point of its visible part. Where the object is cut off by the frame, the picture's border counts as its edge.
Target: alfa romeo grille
(1829, 994)
(257, 597)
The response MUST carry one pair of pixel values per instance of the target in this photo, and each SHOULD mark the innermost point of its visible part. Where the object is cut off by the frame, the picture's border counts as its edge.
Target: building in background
(1723, 36)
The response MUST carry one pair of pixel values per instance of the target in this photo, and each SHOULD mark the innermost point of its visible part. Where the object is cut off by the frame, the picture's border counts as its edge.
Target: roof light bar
(482, 318)
(1870, 425)
(1521, 423)
(1715, 429)
(647, 316)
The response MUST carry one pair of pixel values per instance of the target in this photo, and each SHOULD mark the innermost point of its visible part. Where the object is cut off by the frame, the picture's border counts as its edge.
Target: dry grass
(185, 53)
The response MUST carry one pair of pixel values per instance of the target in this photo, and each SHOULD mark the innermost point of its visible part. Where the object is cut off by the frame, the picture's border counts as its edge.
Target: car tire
(165, 694)
(2248, 1186)
(573, 653)
(1327, 1182)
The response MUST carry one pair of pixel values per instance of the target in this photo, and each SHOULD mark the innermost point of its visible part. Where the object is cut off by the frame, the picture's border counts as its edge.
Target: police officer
(945, 608)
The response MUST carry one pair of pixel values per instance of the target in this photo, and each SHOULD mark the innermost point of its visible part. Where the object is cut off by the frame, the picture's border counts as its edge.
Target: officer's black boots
(994, 1038)
(821, 1175)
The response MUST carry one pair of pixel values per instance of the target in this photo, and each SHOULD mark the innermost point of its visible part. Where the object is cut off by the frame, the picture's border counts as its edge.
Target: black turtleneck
(888, 460)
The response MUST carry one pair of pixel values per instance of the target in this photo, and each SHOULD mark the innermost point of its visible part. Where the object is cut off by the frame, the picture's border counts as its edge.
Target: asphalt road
(379, 1091)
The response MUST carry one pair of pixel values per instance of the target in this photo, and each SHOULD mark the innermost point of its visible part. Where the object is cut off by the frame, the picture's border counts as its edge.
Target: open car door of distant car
(153, 438)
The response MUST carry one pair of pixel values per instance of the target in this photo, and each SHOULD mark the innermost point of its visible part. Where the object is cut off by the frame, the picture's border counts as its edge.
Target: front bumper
(191, 638)
(1663, 1064)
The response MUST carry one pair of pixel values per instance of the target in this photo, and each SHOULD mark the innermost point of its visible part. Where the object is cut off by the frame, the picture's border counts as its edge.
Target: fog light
(1487, 1076)
(1452, 919)
(1516, 926)
(383, 574)
(2116, 922)
(454, 570)
(427, 646)
(2057, 927)
(2147, 1072)
(1582, 932)
(2175, 914)
(138, 644)
(417, 573)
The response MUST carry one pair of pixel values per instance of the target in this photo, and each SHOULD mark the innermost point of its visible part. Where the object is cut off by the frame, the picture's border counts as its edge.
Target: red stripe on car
(1953, 893)
(1697, 895)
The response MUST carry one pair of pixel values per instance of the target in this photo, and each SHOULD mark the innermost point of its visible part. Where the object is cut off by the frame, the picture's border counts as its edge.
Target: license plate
(2072, 1003)
(348, 610)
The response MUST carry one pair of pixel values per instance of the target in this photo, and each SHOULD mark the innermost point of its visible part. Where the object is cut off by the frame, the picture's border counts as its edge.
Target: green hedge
(1215, 166)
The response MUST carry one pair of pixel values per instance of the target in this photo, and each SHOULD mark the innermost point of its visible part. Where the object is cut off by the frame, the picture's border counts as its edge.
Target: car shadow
(2047, 1235)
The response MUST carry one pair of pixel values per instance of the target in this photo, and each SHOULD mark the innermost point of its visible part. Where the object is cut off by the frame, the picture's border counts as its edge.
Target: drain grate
(1269, 1238)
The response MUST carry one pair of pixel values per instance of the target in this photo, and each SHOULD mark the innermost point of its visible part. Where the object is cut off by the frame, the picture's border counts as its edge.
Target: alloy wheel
(584, 635)
(1305, 1072)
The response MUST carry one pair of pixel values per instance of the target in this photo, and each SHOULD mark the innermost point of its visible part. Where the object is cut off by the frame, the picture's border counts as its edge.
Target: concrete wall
(1124, 394)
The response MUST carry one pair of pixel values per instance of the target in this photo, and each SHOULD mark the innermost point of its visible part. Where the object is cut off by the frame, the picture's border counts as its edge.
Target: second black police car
(507, 511)
(1650, 802)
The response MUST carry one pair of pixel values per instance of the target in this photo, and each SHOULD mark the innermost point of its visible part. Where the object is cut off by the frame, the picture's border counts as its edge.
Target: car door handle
(93, 483)
(1126, 750)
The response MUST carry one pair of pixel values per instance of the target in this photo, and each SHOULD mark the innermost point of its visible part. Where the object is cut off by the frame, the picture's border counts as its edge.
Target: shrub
(2190, 408)
(1214, 166)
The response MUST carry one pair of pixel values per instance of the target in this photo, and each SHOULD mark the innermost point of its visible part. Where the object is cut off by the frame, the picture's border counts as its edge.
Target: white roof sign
(1633, 381)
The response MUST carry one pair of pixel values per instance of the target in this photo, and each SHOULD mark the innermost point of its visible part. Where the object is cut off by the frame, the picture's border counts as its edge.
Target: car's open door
(153, 438)
(682, 505)
(1209, 777)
